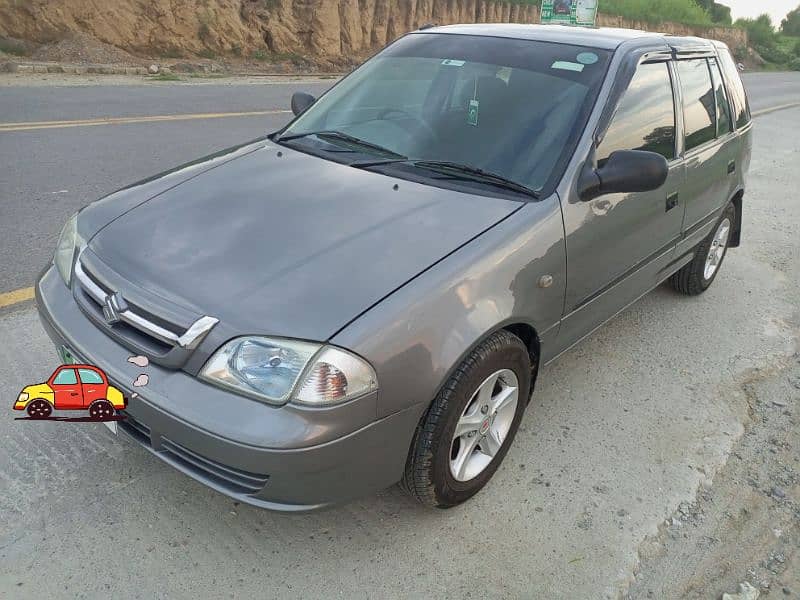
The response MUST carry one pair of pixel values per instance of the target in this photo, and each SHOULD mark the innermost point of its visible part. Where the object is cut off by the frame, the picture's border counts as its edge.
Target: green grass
(651, 11)
(208, 75)
(164, 77)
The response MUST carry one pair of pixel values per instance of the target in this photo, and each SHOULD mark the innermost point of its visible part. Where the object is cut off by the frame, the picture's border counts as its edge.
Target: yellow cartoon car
(72, 387)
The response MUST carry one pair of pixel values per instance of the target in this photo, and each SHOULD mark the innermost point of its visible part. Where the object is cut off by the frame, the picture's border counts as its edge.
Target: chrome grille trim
(189, 340)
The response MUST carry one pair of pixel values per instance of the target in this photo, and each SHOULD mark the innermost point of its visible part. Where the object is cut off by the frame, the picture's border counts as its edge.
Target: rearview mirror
(300, 102)
(625, 171)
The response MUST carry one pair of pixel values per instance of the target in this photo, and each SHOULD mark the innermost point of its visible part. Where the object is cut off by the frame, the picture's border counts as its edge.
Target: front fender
(419, 334)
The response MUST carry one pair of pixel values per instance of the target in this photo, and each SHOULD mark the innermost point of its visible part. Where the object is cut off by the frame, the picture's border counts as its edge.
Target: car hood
(278, 242)
(38, 389)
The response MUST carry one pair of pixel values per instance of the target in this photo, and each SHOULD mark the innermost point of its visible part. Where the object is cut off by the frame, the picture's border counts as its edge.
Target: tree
(760, 31)
(719, 13)
(791, 24)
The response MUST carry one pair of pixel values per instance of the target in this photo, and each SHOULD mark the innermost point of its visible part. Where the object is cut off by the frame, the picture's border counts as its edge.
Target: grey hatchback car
(366, 296)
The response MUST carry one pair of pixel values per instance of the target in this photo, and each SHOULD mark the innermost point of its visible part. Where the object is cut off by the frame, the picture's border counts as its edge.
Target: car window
(699, 106)
(723, 109)
(741, 106)
(89, 376)
(65, 377)
(511, 107)
(645, 118)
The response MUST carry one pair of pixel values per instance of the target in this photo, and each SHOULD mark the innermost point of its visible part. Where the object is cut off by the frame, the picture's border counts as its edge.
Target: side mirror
(300, 102)
(625, 171)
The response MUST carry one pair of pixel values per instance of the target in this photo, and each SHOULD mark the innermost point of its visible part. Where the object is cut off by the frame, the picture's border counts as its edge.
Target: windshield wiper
(338, 135)
(459, 170)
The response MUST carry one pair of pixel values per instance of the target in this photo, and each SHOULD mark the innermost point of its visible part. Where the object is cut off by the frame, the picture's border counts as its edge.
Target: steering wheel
(418, 121)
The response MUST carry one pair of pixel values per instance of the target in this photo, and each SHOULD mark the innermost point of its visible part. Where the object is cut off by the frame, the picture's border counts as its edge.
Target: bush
(774, 54)
(794, 65)
(760, 31)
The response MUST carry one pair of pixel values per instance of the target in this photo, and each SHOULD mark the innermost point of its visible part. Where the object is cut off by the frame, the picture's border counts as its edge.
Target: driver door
(619, 244)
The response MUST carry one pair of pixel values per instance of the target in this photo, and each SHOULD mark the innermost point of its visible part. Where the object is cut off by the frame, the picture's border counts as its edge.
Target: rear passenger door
(709, 147)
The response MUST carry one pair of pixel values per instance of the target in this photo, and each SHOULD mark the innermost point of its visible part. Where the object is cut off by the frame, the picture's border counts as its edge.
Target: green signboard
(570, 12)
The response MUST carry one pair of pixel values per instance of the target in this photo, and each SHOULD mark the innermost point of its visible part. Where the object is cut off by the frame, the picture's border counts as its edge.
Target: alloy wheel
(717, 250)
(484, 425)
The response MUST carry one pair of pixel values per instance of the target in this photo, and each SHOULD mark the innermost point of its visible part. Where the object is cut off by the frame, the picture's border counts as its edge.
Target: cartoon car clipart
(72, 387)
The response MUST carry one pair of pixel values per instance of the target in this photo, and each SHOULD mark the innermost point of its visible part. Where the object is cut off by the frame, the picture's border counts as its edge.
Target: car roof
(606, 38)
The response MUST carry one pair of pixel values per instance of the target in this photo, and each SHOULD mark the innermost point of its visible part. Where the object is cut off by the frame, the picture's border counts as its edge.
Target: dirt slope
(326, 31)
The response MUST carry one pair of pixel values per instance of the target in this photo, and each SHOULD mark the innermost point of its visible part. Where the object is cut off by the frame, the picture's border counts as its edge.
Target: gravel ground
(743, 527)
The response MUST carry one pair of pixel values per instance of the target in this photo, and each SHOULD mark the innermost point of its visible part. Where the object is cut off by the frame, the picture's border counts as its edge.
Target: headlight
(68, 242)
(278, 371)
(23, 397)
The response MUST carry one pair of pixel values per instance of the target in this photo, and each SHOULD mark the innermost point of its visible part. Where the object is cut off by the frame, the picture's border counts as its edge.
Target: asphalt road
(621, 430)
(47, 174)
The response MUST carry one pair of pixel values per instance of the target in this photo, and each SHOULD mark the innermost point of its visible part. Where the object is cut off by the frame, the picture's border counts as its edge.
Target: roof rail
(427, 26)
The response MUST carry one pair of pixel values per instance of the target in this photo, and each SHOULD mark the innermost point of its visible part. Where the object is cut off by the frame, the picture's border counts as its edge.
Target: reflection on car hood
(282, 243)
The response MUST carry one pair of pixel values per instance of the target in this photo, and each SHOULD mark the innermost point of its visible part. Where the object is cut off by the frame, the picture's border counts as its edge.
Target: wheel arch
(50, 401)
(736, 234)
(526, 332)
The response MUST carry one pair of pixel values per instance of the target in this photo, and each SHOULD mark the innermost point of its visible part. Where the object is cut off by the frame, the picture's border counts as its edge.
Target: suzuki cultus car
(366, 296)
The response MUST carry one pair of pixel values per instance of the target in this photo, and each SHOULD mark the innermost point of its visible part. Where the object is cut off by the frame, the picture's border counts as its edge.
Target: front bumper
(287, 459)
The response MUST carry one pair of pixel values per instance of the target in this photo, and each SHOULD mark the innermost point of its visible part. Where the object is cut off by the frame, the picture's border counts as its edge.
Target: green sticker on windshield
(472, 113)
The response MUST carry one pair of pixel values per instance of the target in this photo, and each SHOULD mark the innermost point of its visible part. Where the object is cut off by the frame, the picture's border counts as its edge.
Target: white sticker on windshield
(449, 62)
(568, 66)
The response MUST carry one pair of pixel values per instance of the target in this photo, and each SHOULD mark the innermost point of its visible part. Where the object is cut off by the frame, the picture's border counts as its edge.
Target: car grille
(132, 316)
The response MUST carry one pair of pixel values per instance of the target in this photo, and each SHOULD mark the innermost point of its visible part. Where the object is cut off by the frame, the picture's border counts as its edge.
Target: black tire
(691, 280)
(100, 410)
(427, 475)
(39, 409)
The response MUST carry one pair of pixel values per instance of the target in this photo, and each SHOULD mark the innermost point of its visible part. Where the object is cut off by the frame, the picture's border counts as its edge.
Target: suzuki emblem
(112, 307)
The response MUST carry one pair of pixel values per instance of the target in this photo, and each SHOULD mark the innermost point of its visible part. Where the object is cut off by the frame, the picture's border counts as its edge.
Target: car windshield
(507, 108)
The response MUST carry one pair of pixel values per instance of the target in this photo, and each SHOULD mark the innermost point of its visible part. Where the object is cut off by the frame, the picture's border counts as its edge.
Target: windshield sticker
(565, 65)
(588, 58)
(472, 113)
(449, 62)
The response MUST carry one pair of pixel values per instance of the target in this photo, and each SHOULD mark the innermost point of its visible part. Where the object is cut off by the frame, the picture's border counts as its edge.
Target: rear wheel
(39, 409)
(696, 277)
(471, 424)
(101, 410)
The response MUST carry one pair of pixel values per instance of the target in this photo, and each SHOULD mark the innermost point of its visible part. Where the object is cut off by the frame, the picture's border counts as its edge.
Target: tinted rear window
(723, 109)
(741, 106)
(699, 102)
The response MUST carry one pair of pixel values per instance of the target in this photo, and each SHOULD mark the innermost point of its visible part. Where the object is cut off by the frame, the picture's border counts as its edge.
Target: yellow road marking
(766, 111)
(15, 297)
(128, 120)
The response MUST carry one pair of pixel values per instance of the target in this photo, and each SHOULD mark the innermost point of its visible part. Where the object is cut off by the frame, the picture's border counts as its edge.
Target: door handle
(73, 393)
(731, 167)
(672, 201)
